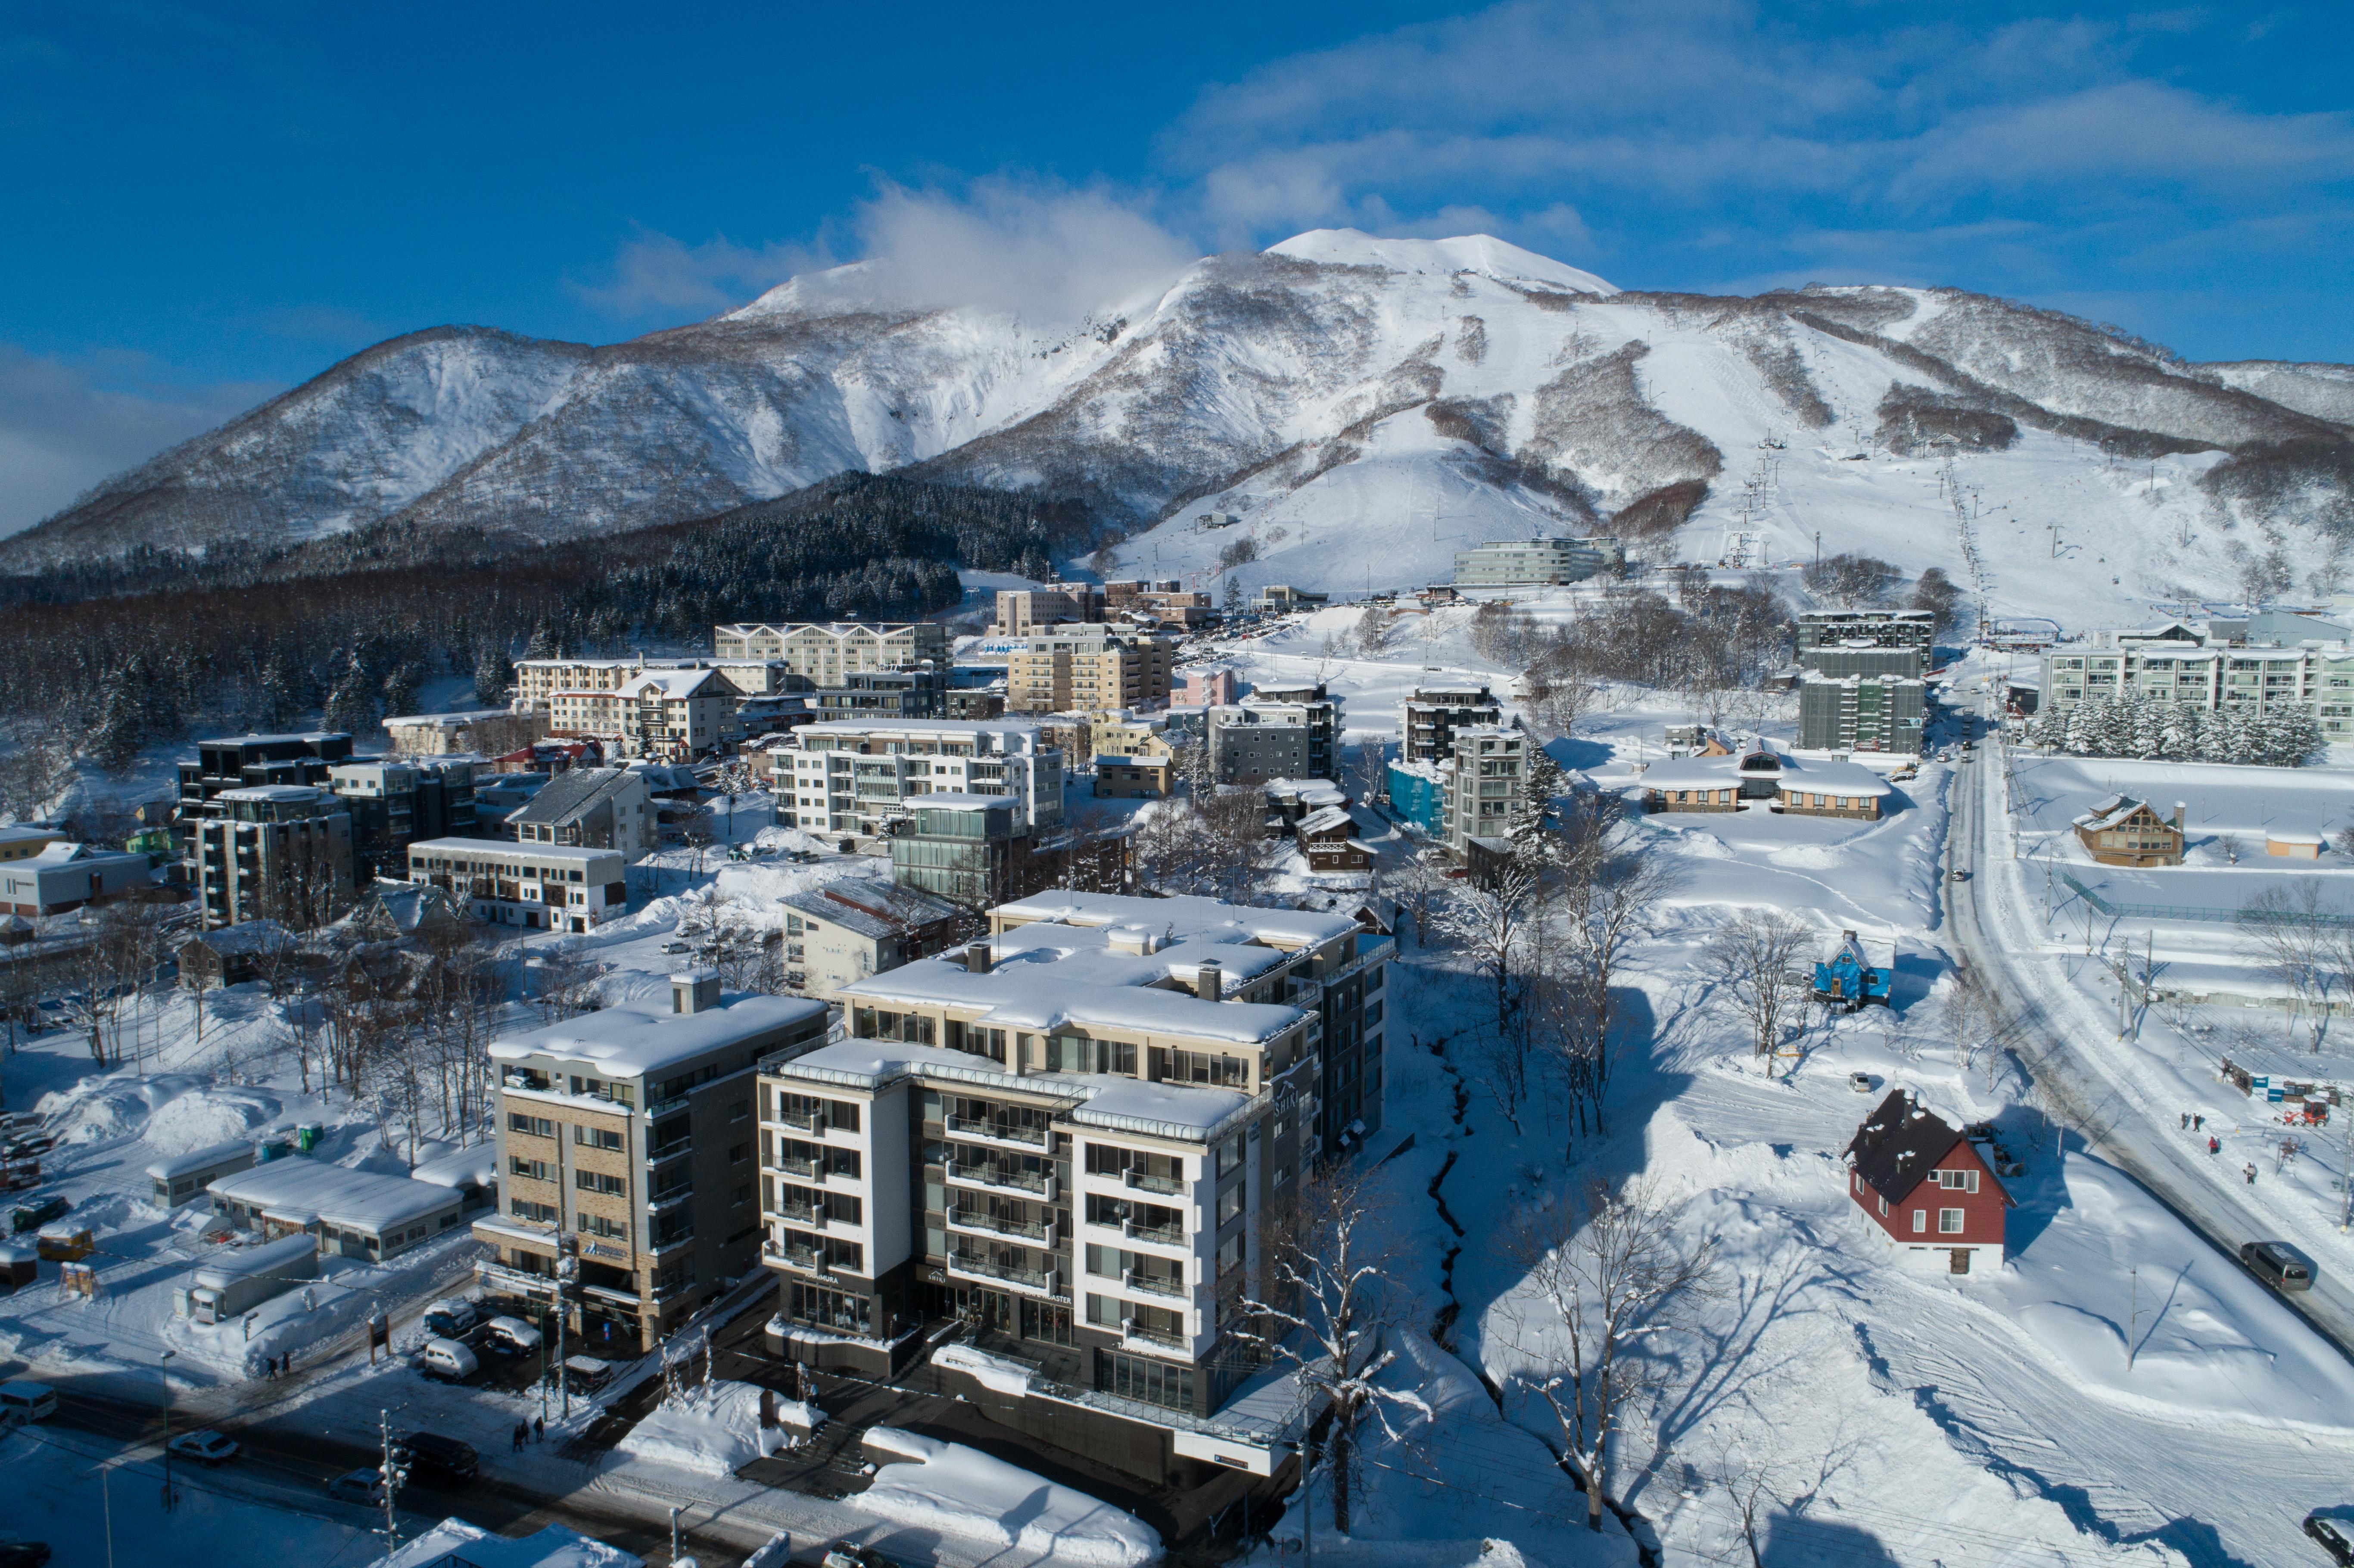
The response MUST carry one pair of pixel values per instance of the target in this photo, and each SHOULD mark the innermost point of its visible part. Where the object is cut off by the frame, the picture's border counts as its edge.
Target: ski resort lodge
(1926, 1186)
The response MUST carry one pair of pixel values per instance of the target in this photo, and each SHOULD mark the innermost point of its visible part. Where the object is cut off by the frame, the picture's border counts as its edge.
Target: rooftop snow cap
(1210, 980)
(695, 990)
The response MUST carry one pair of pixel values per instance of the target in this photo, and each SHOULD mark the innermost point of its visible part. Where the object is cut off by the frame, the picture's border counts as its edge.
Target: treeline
(2138, 726)
(129, 662)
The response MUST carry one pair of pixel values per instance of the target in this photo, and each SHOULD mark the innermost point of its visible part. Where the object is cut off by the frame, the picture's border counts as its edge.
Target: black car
(433, 1458)
(2330, 1534)
(33, 1554)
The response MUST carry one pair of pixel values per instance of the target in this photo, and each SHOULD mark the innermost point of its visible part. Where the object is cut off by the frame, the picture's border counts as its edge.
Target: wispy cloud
(656, 275)
(63, 427)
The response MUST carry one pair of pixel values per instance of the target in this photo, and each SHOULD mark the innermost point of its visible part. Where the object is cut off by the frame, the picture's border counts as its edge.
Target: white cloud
(655, 275)
(63, 427)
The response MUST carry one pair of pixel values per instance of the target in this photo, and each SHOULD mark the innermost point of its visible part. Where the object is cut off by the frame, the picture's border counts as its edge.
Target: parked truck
(1852, 976)
(233, 1286)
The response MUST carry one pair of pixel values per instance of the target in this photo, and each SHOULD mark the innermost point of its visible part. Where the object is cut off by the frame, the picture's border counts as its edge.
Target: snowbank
(993, 1372)
(960, 1491)
(455, 1540)
(708, 1431)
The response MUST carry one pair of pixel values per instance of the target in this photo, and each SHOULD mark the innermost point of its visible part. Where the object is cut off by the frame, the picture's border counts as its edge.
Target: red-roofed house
(1926, 1186)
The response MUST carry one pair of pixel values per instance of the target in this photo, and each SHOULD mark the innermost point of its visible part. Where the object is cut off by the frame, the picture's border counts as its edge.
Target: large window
(842, 1312)
(1153, 1383)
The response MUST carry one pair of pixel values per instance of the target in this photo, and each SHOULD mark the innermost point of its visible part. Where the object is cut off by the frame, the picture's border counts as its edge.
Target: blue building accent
(1849, 975)
(1418, 798)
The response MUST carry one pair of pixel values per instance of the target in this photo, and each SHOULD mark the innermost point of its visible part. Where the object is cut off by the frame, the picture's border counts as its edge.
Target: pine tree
(273, 699)
(122, 724)
(1533, 821)
(493, 674)
(399, 691)
(350, 706)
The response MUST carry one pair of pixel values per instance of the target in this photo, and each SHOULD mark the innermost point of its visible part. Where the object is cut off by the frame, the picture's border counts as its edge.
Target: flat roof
(633, 1040)
(1189, 1111)
(477, 1165)
(203, 1159)
(1188, 915)
(307, 1192)
(510, 848)
(1042, 999)
(275, 793)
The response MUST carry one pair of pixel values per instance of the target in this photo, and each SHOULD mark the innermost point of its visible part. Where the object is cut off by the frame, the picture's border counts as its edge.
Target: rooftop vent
(1210, 980)
(695, 990)
(977, 957)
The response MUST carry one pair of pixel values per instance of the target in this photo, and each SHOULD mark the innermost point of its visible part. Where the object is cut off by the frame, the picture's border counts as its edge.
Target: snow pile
(114, 1105)
(960, 1491)
(206, 1116)
(711, 1430)
(455, 1540)
(993, 1372)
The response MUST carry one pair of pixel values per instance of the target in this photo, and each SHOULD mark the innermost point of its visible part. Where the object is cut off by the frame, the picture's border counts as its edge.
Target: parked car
(511, 1337)
(16, 1553)
(452, 1319)
(448, 1360)
(207, 1447)
(851, 1554)
(2277, 1265)
(2331, 1535)
(33, 1215)
(26, 1401)
(1860, 1082)
(363, 1487)
(432, 1456)
(674, 947)
(587, 1372)
(1957, 874)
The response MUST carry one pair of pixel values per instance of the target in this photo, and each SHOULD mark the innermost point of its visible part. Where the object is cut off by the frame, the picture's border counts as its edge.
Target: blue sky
(201, 205)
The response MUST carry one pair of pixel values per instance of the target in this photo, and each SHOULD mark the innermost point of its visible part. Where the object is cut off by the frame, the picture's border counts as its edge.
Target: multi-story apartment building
(627, 1157)
(1277, 732)
(967, 849)
(2178, 664)
(249, 761)
(920, 692)
(856, 777)
(1021, 611)
(1511, 562)
(827, 651)
(1909, 628)
(276, 852)
(1164, 604)
(669, 714)
(492, 732)
(536, 886)
(537, 681)
(1483, 782)
(1868, 660)
(590, 808)
(1428, 719)
(1086, 668)
(1074, 1136)
(393, 804)
(845, 931)
(1858, 713)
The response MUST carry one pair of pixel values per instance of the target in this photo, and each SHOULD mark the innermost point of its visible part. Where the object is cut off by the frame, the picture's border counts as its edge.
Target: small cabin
(1925, 1189)
(2123, 830)
(2283, 845)
(1851, 977)
(1327, 838)
(182, 1178)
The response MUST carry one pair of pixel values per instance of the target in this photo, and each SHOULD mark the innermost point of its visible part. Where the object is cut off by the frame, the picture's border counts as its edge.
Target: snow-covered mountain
(1366, 406)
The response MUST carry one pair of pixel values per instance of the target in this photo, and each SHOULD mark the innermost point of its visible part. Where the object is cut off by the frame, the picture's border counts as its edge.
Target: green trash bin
(306, 1136)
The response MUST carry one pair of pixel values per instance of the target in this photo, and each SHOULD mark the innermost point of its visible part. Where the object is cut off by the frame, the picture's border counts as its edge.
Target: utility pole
(165, 1367)
(673, 1533)
(391, 1475)
(2133, 1330)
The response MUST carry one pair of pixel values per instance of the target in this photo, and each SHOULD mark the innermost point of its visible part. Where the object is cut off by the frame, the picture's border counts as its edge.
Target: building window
(1920, 1220)
(1949, 1222)
(596, 1137)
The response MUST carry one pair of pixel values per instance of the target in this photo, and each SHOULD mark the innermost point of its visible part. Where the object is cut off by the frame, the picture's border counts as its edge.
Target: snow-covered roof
(571, 792)
(922, 726)
(1307, 792)
(2113, 811)
(450, 720)
(1817, 775)
(509, 849)
(675, 683)
(1189, 915)
(243, 1263)
(454, 1541)
(307, 1192)
(633, 1040)
(310, 736)
(1324, 819)
(19, 834)
(273, 792)
(959, 800)
(61, 854)
(203, 1159)
(477, 1165)
(1042, 999)
(245, 936)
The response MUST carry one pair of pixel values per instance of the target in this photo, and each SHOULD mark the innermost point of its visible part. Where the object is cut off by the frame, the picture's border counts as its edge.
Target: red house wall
(1983, 1212)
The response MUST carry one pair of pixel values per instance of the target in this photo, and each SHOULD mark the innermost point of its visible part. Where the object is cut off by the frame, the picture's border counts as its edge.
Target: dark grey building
(1250, 748)
(1857, 713)
(1913, 629)
(1867, 661)
(920, 692)
(1428, 719)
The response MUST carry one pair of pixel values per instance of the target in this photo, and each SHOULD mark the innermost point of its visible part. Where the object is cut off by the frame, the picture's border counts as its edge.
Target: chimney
(977, 957)
(2177, 816)
(1210, 980)
(694, 991)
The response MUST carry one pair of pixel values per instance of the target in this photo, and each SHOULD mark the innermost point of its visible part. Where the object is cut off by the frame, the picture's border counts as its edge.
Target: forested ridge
(111, 657)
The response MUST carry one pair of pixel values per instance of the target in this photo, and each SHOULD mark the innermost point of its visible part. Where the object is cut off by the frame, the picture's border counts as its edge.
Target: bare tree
(1977, 1026)
(2299, 939)
(568, 981)
(1325, 1310)
(1488, 918)
(1609, 890)
(1606, 1277)
(1755, 961)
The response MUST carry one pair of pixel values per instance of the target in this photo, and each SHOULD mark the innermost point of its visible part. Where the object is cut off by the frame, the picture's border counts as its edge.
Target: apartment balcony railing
(499, 1277)
(808, 1259)
(1045, 1282)
(804, 1166)
(1144, 1183)
(998, 1225)
(1165, 1236)
(669, 1196)
(1159, 1339)
(999, 1131)
(1151, 1284)
(1004, 1179)
(676, 1102)
(805, 1121)
(670, 1150)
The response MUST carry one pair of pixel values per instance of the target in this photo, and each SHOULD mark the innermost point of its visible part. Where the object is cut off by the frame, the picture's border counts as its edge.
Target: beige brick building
(1087, 668)
(826, 650)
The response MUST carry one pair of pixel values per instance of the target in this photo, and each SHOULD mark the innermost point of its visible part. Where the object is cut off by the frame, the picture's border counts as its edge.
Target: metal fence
(2179, 911)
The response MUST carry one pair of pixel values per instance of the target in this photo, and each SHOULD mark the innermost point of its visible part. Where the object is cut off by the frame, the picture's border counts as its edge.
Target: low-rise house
(231, 955)
(1802, 787)
(2124, 830)
(19, 842)
(846, 932)
(1329, 842)
(1925, 1187)
(590, 808)
(627, 1157)
(1133, 777)
(552, 887)
(65, 876)
(353, 1213)
(1289, 800)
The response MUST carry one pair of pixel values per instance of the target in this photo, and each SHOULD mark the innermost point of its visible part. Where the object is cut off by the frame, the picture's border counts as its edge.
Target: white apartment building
(2180, 664)
(666, 713)
(826, 650)
(538, 680)
(1506, 563)
(854, 777)
(534, 887)
(1072, 1134)
(1483, 783)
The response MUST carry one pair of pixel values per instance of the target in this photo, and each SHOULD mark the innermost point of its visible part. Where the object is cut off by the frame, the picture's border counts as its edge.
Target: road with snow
(1991, 933)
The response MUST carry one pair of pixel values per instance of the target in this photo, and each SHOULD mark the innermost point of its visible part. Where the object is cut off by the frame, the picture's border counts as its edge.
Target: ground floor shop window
(1144, 1379)
(836, 1310)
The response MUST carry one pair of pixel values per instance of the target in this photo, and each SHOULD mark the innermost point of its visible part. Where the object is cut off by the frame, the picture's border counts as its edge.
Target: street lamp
(164, 1369)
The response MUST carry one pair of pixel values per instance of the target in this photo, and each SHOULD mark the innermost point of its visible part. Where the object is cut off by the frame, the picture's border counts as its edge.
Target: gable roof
(572, 792)
(2114, 812)
(1899, 1144)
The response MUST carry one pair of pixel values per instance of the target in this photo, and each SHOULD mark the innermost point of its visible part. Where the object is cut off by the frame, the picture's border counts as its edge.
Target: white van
(25, 1400)
(448, 1359)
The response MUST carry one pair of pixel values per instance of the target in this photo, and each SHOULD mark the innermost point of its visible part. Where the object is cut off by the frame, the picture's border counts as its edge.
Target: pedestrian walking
(2213, 1147)
(2251, 1174)
(2197, 1124)
(269, 1368)
(539, 1428)
(286, 1364)
(515, 1438)
(2186, 1120)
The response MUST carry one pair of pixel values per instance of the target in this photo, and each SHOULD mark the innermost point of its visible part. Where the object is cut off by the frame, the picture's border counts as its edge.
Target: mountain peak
(1481, 253)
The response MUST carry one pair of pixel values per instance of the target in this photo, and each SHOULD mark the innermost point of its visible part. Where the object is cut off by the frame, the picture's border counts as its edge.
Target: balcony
(1151, 1284)
(607, 1293)
(670, 1150)
(808, 1215)
(1135, 1177)
(660, 1107)
(658, 1201)
(661, 1244)
(998, 1225)
(807, 1259)
(803, 1121)
(992, 1130)
(1004, 1179)
(1137, 1334)
(499, 1277)
(1160, 1235)
(1041, 1282)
